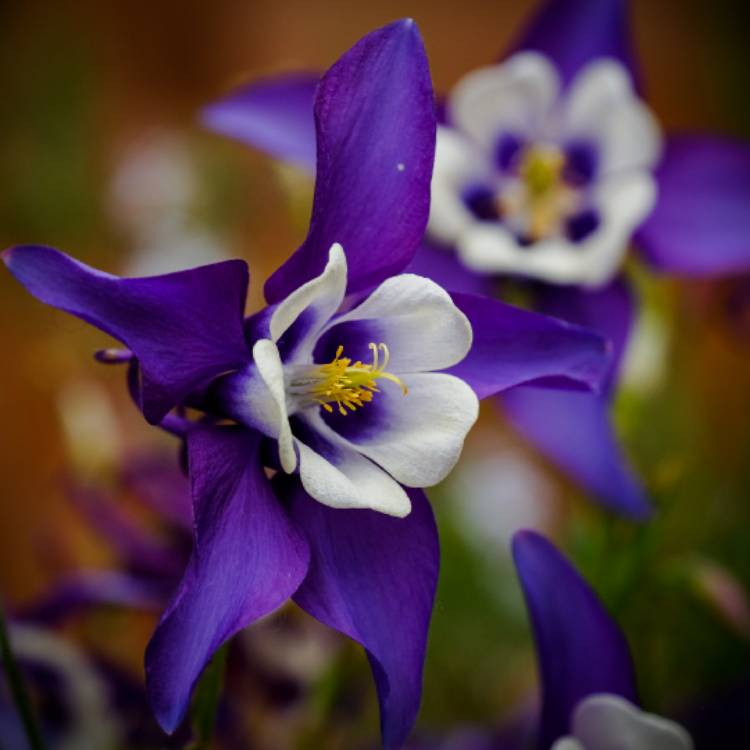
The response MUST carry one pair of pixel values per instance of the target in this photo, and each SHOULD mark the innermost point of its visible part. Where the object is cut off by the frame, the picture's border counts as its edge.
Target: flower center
(345, 384)
(537, 204)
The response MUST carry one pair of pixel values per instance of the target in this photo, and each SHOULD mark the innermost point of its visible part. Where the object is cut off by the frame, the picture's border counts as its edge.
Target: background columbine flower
(548, 163)
(587, 675)
(257, 541)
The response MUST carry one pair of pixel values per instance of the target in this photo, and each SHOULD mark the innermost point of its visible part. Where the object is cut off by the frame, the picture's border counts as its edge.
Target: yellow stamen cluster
(350, 386)
(544, 199)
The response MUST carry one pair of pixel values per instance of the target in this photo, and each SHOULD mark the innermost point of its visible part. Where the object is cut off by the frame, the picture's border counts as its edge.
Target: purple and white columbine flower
(548, 164)
(589, 698)
(541, 181)
(359, 382)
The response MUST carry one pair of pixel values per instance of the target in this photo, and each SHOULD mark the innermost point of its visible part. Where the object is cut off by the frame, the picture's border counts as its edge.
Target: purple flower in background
(547, 165)
(358, 382)
(587, 674)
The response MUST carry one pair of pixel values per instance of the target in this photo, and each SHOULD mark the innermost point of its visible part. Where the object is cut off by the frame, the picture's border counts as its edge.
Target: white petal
(319, 298)
(622, 204)
(418, 321)
(458, 164)
(608, 722)
(272, 411)
(516, 96)
(346, 479)
(603, 108)
(418, 437)
(568, 743)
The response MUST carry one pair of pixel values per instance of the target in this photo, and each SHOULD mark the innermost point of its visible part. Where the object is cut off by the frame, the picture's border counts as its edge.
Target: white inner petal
(568, 743)
(609, 722)
(621, 203)
(516, 96)
(274, 411)
(603, 108)
(418, 321)
(319, 298)
(417, 438)
(458, 163)
(346, 479)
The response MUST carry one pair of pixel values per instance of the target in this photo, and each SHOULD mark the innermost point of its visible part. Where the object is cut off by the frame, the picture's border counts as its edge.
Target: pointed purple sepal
(573, 429)
(185, 328)
(274, 115)
(572, 33)
(701, 223)
(247, 560)
(580, 648)
(373, 578)
(375, 122)
(513, 346)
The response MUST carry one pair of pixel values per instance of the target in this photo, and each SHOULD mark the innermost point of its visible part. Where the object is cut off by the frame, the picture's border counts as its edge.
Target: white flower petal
(568, 743)
(602, 107)
(608, 722)
(418, 437)
(516, 96)
(272, 412)
(418, 321)
(318, 299)
(622, 204)
(345, 479)
(458, 163)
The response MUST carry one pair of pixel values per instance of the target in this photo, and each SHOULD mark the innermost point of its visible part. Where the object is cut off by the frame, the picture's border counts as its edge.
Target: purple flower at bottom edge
(547, 164)
(585, 666)
(328, 382)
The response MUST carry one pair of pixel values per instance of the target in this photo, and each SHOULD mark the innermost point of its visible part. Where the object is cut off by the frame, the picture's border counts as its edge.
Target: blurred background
(101, 155)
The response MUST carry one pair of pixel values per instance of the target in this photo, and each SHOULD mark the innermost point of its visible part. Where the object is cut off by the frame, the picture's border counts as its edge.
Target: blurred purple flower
(587, 675)
(286, 376)
(546, 165)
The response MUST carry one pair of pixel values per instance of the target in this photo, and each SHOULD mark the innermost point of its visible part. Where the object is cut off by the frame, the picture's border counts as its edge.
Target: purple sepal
(185, 328)
(274, 115)
(513, 346)
(373, 578)
(445, 268)
(580, 649)
(247, 560)
(608, 311)
(574, 32)
(573, 430)
(700, 225)
(375, 125)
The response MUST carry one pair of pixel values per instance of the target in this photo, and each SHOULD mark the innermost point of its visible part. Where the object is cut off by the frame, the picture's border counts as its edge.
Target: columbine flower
(361, 382)
(544, 181)
(587, 674)
(548, 163)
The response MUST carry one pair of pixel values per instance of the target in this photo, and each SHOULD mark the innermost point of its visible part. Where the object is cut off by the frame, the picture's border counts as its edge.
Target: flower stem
(206, 700)
(18, 689)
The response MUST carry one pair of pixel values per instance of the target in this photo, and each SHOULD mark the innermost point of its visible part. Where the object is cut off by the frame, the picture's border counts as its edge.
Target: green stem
(206, 700)
(18, 689)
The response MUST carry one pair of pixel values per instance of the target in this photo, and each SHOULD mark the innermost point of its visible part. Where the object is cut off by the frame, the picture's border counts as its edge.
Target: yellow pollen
(350, 386)
(544, 199)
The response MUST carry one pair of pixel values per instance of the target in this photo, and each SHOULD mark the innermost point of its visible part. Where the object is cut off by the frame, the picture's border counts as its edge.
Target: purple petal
(87, 589)
(580, 649)
(574, 32)
(443, 266)
(274, 115)
(513, 346)
(375, 122)
(247, 560)
(185, 328)
(573, 429)
(373, 578)
(701, 223)
(608, 311)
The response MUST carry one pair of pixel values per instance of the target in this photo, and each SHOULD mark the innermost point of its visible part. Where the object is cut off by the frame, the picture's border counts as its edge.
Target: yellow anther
(350, 385)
